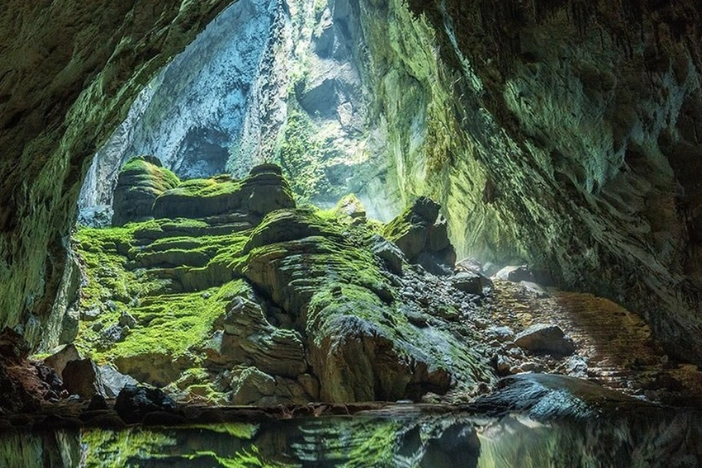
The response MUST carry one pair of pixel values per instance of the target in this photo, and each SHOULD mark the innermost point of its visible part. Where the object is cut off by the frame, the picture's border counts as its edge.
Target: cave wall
(583, 120)
(68, 74)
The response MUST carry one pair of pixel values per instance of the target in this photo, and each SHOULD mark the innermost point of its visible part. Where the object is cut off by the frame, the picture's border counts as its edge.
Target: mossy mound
(227, 305)
(140, 182)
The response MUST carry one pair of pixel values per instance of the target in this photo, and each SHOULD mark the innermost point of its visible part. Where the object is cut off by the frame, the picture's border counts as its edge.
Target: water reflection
(390, 439)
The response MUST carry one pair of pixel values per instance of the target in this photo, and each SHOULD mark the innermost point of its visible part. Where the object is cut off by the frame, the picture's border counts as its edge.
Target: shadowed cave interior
(350, 233)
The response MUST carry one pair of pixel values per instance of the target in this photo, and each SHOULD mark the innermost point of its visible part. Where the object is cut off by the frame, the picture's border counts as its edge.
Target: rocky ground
(225, 292)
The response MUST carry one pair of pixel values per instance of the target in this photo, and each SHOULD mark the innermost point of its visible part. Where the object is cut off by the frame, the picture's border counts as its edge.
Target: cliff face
(69, 71)
(269, 80)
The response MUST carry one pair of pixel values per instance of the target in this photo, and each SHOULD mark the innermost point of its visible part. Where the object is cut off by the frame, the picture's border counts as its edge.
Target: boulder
(351, 206)
(62, 356)
(114, 381)
(82, 378)
(422, 235)
(545, 338)
(534, 289)
(515, 274)
(135, 402)
(471, 283)
(140, 182)
(251, 386)
(390, 254)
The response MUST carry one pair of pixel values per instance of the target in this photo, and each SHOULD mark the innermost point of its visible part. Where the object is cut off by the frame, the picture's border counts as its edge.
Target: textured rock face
(574, 145)
(420, 232)
(269, 306)
(270, 80)
(67, 76)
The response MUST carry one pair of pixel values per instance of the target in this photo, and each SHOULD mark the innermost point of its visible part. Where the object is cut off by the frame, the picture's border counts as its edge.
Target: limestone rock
(82, 378)
(515, 274)
(273, 350)
(114, 381)
(422, 235)
(471, 283)
(251, 386)
(135, 402)
(62, 356)
(263, 191)
(545, 338)
(390, 254)
(140, 183)
(351, 206)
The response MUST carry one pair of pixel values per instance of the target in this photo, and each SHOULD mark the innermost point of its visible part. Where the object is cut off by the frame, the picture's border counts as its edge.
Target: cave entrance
(266, 81)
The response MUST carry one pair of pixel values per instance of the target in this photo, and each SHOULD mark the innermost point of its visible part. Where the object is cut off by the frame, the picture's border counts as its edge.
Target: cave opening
(357, 233)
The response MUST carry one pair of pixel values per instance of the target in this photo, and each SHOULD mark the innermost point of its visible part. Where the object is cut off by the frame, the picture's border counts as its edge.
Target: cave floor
(614, 347)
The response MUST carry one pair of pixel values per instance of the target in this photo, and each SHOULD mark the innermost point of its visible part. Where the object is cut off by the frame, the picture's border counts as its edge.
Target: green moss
(207, 188)
(144, 174)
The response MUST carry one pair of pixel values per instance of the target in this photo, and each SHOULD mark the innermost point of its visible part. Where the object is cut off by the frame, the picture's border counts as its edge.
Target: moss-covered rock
(422, 235)
(263, 191)
(140, 182)
(296, 305)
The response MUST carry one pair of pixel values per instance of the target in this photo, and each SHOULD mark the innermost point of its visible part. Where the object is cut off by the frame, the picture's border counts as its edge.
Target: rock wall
(579, 134)
(68, 73)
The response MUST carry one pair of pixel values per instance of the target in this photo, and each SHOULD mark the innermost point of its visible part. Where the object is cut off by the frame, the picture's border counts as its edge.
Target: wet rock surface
(421, 233)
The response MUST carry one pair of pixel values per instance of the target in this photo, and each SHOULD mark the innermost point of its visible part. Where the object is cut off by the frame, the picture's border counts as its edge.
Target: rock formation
(232, 294)
(140, 182)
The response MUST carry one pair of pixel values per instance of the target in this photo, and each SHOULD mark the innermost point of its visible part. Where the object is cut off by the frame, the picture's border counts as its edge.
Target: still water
(652, 438)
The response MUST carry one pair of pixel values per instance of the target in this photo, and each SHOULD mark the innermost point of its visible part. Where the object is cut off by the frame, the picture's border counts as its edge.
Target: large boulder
(134, 403)
(82, 378)
(422, 235)
(62, 356)
(114, 381)
(140, 182)
(545, 338)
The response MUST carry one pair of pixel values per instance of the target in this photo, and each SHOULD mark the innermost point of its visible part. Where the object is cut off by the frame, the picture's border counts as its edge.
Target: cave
(351, 233)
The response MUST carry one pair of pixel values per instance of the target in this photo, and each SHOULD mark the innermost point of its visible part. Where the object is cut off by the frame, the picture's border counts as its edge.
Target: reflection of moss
(118, 449)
